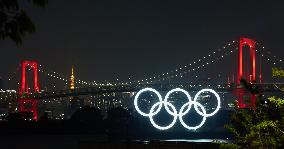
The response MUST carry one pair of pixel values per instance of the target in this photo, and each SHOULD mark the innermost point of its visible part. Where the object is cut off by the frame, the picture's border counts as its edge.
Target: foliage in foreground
(14, 21)
(276, 72)
(259, 127)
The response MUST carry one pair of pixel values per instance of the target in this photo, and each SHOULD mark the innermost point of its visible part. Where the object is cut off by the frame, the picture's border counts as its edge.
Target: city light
(178, 72)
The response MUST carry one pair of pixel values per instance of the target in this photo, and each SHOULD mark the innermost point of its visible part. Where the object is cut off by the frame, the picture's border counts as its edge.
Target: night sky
(120, 39)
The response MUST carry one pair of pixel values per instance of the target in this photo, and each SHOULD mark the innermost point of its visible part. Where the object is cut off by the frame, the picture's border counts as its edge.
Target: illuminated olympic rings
(155, 109)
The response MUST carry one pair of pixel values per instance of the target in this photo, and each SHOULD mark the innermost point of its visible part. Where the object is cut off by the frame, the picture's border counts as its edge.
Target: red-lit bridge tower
(249, 75)
(24, 89)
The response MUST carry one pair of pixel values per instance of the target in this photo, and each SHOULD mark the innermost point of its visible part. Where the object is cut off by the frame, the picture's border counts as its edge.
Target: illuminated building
(72, 79)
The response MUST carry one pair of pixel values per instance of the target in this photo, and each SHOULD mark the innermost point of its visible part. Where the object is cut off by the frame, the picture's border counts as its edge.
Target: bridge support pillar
(29, 105)
(249, 76)
(252, 75)
(25, 90)
(245, 98)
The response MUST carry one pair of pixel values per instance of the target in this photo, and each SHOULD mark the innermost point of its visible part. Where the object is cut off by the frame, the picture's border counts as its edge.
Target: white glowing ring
(181, 114)
(163, 127)
(151, 90)
(172, 91)
(174, 112)
(218, 102)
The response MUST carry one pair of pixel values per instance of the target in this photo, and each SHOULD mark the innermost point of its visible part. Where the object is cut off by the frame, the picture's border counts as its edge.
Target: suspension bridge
(240, 66)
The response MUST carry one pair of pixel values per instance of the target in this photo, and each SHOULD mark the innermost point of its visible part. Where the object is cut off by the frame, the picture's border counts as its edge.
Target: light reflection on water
(187, 140)
(198, 140)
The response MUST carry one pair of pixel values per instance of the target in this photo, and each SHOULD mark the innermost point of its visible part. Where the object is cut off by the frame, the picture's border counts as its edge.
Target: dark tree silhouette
(120, 122)
(251, 87)
(44, 117)
(89, 118)
(19, 117)
(14, 22)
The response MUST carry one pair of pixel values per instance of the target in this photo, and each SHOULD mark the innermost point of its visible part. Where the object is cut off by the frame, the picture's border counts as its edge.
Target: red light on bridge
(252, 77)
(251, 43)
(25, 90)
